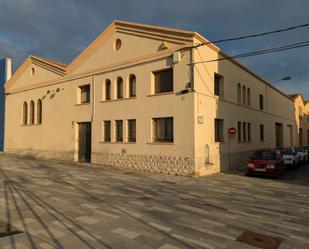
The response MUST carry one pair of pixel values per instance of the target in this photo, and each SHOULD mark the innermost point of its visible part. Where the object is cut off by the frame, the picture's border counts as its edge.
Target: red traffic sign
(232, 131)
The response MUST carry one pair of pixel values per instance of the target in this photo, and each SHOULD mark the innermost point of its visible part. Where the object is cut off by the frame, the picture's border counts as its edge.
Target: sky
(60, 29)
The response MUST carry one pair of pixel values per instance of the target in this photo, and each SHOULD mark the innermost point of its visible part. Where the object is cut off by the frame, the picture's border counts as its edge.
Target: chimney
(8, 69)
(5, 70)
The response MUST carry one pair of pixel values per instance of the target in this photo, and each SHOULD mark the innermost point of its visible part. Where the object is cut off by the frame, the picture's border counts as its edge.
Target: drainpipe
(93, 99)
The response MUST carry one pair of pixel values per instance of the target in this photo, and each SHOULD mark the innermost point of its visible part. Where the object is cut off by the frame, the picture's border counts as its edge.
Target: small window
(300, 112)
(39, 111)
(25, 113)
(239, 131)
(238, 93)
(262, 133)
(249, 132)
(300, 137)
(163, 130)
(108, 89)
(119, 130)
(84, 94)
(218, 85)
(261, 102)
(107, 131)
(219, 130)
(32, 72)
(244, 95)
(132, 86)
(132, 130)
(244, 132)
(163, 81)
(119, 88)
(32, 112)
(248, 97)
(117, 44)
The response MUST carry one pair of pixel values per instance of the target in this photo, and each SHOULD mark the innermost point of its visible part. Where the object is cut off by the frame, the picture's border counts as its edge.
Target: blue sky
(60, 29)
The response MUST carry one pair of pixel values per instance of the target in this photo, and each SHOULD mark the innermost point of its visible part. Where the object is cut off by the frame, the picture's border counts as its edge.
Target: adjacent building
(149, 98)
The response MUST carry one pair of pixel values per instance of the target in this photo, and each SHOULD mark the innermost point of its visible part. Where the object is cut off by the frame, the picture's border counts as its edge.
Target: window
(300, 112)
(117, 44)
(132, 130)
(107, 131)
(119, 88)
(108, 89)
(261, 102)
(119, 131)
(163, 130)
(84, 94)
(218, 87)
(244, 95)
(238, 93)
(300, 136)
(163, 81)
(39, 111)
(132, 86)
(219, 130)
(249, 131)
(261, 132)
(25, 113)
(32, 112)
(244, 132)
(239, 131)
(248, 96)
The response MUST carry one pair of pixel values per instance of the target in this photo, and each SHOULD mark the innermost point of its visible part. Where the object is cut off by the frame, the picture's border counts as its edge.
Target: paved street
(68, 205)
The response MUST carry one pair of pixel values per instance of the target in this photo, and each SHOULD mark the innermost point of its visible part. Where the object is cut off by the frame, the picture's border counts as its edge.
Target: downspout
(93, 100)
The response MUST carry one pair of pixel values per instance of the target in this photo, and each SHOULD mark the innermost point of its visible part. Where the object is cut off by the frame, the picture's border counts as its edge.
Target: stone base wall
(169, 165)
(236, 160)
(46, 154)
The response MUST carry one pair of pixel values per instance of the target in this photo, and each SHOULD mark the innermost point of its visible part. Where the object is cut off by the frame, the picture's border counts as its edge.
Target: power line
(261, 52)
(254, 35)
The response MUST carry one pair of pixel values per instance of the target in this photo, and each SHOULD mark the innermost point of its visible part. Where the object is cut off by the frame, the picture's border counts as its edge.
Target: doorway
(84, 142)
(279, 135)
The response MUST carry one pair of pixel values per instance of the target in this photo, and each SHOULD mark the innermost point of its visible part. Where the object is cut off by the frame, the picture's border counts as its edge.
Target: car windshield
(264, 155)
(286, 152)
(299, 149)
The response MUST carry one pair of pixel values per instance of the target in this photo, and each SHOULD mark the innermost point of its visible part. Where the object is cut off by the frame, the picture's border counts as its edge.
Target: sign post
(231, 132)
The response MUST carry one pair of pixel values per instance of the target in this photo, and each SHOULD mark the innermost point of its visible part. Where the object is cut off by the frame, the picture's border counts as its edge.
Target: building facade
(148, 98)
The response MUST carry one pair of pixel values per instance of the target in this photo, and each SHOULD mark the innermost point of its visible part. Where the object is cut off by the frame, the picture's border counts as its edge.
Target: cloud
(60, 29)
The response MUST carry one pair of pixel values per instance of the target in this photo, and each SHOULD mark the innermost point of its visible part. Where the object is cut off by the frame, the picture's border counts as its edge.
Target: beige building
(302, 117)
(148, 98)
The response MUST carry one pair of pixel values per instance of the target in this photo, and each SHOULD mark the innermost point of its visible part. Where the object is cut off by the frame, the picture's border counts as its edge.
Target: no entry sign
(232, 131)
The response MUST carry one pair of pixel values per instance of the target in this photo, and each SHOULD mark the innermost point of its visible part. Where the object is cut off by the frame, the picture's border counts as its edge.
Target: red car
(266, 162)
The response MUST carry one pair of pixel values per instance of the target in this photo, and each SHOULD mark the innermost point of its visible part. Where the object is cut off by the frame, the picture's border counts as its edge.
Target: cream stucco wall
(278, 108)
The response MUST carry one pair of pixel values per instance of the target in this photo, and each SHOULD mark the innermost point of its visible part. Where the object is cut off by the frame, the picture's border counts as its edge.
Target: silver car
(290, 156)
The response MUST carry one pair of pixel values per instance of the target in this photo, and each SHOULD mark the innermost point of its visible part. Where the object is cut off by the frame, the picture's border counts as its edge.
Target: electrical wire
(254, 35)
(261, 52)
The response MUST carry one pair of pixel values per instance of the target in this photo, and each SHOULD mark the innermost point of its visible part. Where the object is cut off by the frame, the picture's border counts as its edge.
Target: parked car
(306, 148)
(290, 156)
(266, 162)
(302, 153)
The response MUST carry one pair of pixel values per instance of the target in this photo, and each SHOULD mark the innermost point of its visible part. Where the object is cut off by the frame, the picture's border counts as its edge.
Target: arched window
(132, 86)
(119, 88)
(31, 112)
(244, 95)
(25, 113)
(108, 89)
(239, 93)
(248, 96)
(39, 111)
